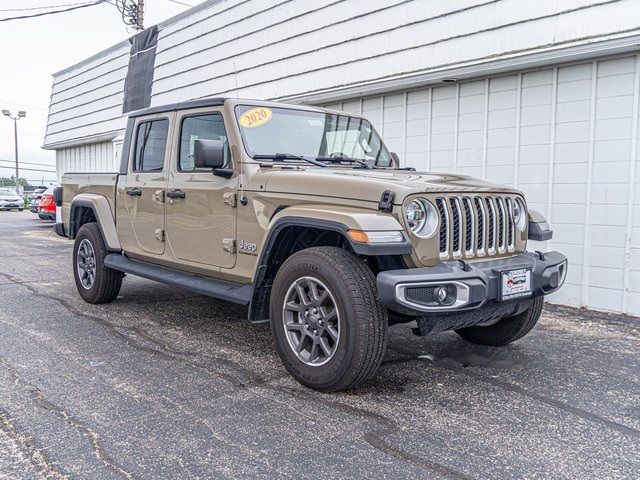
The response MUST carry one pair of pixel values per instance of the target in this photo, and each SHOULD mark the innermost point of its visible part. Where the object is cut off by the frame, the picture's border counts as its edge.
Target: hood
(360, 184)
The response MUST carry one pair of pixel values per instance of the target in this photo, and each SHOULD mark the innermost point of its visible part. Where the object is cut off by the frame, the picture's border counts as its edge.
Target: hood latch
(386, 201)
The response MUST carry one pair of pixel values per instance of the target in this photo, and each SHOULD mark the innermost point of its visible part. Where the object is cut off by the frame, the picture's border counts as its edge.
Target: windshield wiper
(342, 158)
(286, 156)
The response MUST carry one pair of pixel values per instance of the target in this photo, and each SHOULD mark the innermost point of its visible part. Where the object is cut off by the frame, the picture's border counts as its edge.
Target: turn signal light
(360, 236)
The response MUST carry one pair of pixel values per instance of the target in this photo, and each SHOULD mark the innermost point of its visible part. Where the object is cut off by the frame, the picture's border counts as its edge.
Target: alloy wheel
(86, 264)
(311, 321)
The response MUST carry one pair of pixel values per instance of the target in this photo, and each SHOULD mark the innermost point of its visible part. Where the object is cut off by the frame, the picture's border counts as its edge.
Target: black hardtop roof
(203, 102)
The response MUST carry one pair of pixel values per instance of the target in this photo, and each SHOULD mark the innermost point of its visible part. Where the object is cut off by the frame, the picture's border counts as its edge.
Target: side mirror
(395, 158)
(208, 154)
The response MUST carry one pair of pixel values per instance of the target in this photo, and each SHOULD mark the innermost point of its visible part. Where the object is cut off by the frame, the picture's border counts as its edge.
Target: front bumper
(59, 229)
(411, 291)
(10, 205)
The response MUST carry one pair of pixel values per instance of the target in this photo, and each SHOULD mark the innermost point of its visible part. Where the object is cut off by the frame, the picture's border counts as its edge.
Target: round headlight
(519, 214)
(422, 218)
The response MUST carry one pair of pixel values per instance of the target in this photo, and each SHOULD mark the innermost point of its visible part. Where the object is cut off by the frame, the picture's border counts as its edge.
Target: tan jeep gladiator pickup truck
(303, 215)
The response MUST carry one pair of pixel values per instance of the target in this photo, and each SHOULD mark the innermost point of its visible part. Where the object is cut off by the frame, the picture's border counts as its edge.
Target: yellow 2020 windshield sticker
(255, 117)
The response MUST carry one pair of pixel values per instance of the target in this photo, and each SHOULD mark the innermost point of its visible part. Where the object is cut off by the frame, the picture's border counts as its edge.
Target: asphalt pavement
(163, 383)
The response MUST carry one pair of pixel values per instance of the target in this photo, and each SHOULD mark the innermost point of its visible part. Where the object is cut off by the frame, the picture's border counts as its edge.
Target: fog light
(446, 294)
(442, 294)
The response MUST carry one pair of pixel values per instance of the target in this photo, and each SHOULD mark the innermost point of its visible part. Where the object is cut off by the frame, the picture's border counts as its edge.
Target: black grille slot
(500, 213)
(468, 213)
(423, 295)
(455, 219)
(443, 224)
(509, 222)
(490, 212)
(480, 211)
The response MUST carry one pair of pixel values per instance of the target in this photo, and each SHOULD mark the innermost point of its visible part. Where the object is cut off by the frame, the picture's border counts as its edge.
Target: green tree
(10, 182)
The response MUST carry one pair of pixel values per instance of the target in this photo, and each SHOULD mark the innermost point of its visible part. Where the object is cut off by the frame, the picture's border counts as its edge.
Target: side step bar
(230, 292)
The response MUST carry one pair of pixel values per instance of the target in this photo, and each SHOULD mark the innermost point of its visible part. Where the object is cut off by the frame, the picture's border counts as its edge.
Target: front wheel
(506, 330)
(329, 328)
(95, 282)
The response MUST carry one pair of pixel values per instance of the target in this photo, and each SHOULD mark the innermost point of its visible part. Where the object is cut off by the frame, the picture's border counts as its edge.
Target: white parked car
(10, 200)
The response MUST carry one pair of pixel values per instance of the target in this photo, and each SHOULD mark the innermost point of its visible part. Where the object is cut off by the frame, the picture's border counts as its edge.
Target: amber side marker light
(360, 236)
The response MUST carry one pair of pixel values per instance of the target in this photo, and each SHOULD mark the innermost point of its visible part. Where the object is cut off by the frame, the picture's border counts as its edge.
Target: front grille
(475, 225)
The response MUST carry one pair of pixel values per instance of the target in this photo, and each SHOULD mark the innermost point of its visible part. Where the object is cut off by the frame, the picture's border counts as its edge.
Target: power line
(9, 133)
(42, 7)
(29, 106)
(31, 169)
(181, 3)
(83, 5)
(128, 11)
(27, 163)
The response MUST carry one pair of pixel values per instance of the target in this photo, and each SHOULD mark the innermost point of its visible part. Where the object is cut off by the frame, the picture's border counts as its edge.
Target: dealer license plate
(516, 284)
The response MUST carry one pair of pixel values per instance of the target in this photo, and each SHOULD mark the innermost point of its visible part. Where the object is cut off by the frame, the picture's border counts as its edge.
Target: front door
(201, 213)
(144, 188)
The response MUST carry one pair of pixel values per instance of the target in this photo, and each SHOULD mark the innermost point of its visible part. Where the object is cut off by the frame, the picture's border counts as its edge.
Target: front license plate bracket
(515, 283)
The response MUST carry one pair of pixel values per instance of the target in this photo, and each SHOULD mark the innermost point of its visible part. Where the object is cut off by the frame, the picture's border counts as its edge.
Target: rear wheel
(328, 326)
(506, 330)
(95, 282)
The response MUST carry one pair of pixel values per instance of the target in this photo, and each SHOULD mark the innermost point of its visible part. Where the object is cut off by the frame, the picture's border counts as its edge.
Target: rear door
(144, 187)
(201, 220)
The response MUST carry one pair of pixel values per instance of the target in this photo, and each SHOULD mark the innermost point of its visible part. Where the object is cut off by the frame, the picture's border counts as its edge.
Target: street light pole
(15, 118)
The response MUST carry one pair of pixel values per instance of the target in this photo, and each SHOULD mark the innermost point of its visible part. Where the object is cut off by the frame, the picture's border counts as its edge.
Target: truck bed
(90, 182)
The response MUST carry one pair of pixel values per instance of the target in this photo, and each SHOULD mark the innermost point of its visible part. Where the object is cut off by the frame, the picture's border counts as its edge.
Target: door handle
(176, 194)
(134, 192)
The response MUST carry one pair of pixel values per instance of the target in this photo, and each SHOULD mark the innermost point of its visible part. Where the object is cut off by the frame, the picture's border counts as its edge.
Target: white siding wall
(566, 136)
(87, 101)
(303, 48)
(97, 157)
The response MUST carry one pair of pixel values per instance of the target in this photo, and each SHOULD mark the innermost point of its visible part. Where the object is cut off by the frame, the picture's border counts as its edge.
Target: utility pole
(141, 14)
(15, 148)
(15, 118)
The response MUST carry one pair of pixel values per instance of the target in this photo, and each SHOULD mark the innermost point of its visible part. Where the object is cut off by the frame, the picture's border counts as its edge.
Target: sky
(32, 50)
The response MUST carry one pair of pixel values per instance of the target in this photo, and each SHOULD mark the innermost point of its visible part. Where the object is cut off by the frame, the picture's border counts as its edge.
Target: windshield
(7, 192)
(314, 135)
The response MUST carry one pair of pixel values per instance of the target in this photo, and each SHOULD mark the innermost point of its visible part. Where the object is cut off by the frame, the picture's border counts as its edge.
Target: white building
(543, 95)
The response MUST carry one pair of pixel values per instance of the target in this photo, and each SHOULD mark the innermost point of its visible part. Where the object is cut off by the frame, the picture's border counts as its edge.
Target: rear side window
(151, 143)
(208, 127)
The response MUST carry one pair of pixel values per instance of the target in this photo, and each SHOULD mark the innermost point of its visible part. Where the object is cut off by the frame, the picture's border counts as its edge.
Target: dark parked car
(34, 198)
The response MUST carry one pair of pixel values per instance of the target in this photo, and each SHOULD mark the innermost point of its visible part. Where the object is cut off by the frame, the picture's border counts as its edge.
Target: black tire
(506, 330)
(106, 282)
(362, 320)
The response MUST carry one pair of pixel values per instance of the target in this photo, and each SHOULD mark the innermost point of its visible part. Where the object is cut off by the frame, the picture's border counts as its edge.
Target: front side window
(305, 133)
(209, 127)
(151, 144)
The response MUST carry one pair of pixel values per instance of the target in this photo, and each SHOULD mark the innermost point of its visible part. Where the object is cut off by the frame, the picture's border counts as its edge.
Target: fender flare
(538, 227)
(99, 205)
(342, 220)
